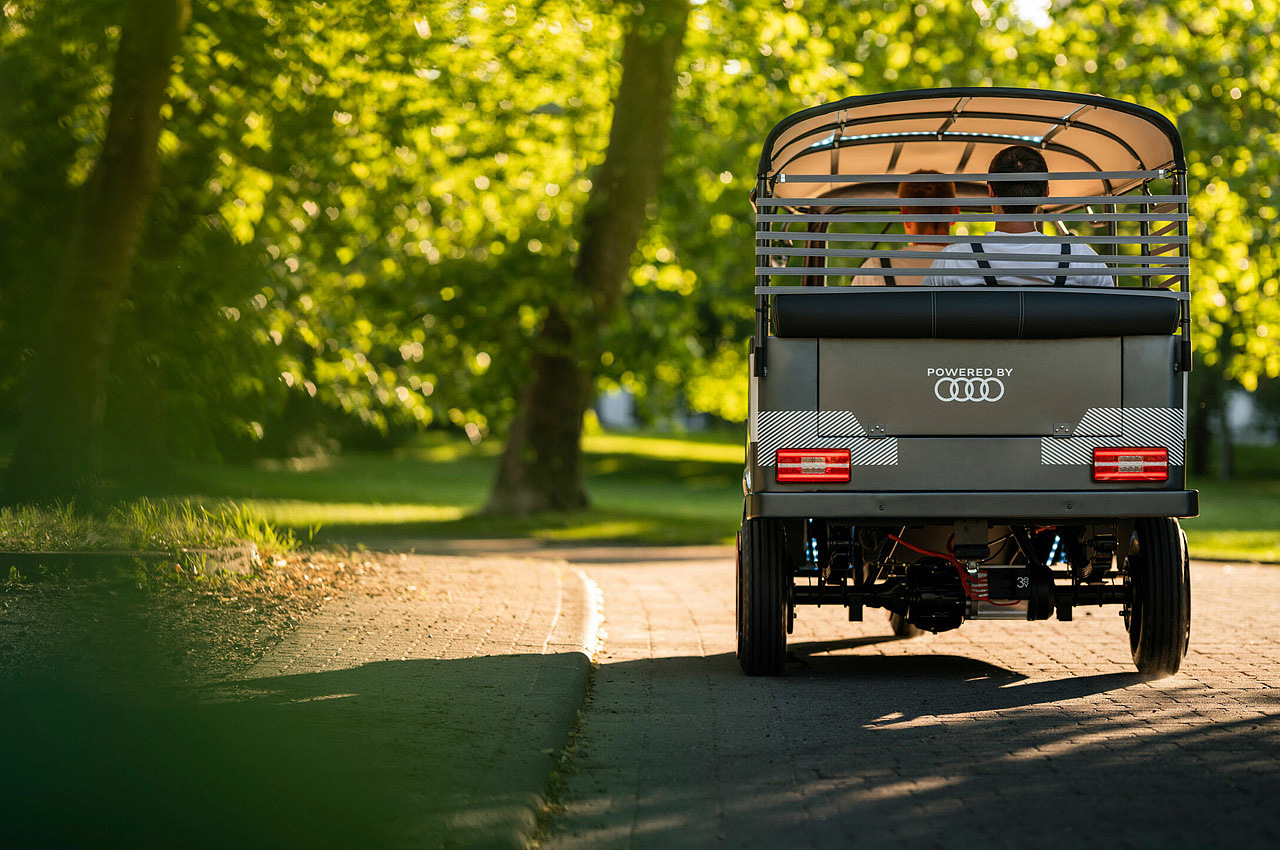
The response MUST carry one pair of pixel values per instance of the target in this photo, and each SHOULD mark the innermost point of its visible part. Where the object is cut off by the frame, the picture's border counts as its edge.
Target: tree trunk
(57, 452)
(541, 468)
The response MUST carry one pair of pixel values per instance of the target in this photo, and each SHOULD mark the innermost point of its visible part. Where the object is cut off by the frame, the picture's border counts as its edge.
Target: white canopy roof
(958, 131)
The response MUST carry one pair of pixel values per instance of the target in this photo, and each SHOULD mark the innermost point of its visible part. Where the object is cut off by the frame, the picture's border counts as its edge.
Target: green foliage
(1215, 70)
(366, 209)
(55, 64)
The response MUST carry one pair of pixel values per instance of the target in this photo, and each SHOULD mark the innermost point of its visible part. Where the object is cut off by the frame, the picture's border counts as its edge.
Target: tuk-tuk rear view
(968, 375)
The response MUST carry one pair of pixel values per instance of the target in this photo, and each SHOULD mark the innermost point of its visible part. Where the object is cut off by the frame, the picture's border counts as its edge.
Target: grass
(139, 525)
(1236, 522)
(1240, 519)
(644, 489)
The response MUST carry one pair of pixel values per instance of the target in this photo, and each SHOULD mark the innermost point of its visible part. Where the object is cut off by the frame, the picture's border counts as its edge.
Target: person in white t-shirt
(924, 229)
(1035, 249)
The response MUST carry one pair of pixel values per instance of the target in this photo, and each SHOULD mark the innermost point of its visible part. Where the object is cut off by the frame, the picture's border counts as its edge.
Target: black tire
(901, 628)
(1159, 575)
(763, 584)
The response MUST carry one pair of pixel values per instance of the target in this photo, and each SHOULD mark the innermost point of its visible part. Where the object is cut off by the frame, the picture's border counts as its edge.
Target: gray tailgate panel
(966, 387)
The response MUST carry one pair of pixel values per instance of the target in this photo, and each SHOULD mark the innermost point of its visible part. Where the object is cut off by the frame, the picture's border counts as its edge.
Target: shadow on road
(102, 751)
(994, 687)
(928, 750)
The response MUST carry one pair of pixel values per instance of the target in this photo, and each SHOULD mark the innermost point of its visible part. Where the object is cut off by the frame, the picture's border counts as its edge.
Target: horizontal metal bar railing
(1157, 174)
(864, 253)
(986, 238)
(785, 289)
(1002, 272)
(832, 218)
(1061, 200)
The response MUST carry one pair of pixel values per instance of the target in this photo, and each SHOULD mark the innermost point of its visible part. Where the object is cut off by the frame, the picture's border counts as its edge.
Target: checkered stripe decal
(1139, 426)
(779, 429)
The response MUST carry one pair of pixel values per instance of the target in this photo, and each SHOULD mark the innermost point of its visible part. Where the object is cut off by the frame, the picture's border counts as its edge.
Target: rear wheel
(763, 583)
(1158, 572)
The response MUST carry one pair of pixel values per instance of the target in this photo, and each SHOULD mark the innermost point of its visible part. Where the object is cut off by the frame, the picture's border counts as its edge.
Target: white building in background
(1247, 422)
(616, 409)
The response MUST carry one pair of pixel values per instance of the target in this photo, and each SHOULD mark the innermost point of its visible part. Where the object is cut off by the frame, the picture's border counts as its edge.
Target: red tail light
(1130, 464)
(813, 464)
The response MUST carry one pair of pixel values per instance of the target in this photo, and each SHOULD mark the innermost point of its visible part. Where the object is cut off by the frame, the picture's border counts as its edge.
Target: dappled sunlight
(902, 742)
(998, 732)
(642, 489)
(300, 514)
(664, 448)
(450, 451)
(600, 530)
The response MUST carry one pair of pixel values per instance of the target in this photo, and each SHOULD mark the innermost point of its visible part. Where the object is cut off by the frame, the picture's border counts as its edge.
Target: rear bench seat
(974, 314)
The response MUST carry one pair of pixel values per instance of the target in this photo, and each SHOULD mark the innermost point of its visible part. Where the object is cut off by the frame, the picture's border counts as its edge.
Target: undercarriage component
(1099, 552)
(839, 562)
(971, 540)
(1008, 583)
(935, 599)
(1040, 601)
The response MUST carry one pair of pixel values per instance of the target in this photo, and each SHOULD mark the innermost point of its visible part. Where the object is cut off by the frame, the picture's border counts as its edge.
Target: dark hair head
(908, 190)
(1019, 159)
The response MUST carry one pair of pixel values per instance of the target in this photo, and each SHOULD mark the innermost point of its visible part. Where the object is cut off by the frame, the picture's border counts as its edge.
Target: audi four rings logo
(969, 389)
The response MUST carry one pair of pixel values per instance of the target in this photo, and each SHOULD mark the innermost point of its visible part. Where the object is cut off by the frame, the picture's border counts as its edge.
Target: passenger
(1018, 159)
(908, 190)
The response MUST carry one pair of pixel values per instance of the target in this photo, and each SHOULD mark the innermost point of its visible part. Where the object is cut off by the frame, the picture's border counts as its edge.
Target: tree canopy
(366, 212)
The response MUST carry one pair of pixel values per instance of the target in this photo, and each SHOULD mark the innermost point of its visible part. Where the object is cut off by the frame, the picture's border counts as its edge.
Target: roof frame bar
(1056, 148)
(955, 113)
(845, 121)
(1154, 174)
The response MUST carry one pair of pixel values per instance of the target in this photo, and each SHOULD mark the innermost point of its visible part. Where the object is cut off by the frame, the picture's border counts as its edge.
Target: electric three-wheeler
(1011, 449)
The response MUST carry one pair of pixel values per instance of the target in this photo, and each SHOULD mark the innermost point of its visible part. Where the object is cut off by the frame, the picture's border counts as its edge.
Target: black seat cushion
(986, 313)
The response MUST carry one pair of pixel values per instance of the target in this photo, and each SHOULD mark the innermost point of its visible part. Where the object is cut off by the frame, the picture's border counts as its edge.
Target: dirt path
(995, 735)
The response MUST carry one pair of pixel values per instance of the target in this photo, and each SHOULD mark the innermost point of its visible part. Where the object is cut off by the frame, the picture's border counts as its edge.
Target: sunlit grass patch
(716, 448)
(139, 525)
(300, 514)
(1251, 545)
(643, 488)
(1239, 520)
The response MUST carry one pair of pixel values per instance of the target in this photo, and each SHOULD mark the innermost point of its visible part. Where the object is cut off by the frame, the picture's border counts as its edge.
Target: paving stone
(449, 690)
(996, 734)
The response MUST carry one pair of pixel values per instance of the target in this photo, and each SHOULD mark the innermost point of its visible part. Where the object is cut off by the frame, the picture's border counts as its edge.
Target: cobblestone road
(998, 734)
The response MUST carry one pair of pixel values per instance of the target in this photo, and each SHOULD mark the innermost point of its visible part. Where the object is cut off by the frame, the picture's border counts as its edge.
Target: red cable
(964, 581)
